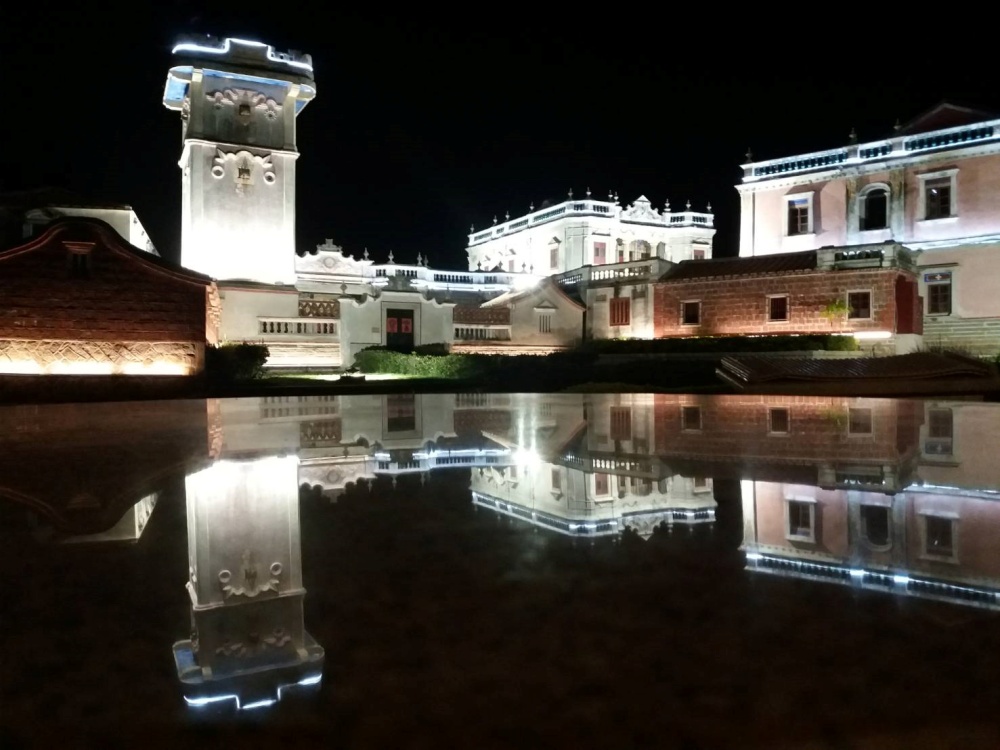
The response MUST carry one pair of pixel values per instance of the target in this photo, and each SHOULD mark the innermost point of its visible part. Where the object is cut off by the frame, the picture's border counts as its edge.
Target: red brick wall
(123, 298)
(738, 305)
(738, 427)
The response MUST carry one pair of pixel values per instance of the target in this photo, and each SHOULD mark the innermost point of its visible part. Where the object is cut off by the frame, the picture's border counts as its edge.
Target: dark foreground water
(501, 571)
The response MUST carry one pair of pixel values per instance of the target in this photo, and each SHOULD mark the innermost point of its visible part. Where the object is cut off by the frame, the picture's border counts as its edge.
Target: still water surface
(488, 570)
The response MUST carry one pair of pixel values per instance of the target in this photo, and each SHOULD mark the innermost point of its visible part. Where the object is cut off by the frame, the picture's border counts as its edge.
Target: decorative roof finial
(853, 137)
(531, 206)
(708, 208)
(418, 259)
(506, 216)
(479, 265)
(897, 127)
(616, 196)
(748, 155)
(687, 206)
(666, 206)
(571, 193)
(472, 228)
(390, 257)
(365, 254)
(524, 267)
(588, 192)
(427, 260)
(610, 197)
(494, 219)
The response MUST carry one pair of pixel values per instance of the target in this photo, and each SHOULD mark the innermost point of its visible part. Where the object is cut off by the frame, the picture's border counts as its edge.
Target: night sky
(426, 122)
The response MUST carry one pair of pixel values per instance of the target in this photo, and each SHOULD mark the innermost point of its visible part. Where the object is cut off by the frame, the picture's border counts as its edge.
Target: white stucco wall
(242, 308)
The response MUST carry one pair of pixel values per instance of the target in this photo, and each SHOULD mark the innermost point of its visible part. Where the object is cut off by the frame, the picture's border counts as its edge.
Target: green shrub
(432, 350)
(389, 362)
(232, 362)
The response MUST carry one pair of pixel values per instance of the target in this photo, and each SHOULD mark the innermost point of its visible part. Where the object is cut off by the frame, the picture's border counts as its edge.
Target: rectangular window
(940, 431)
(691, 313)
(602, 485)
(777, 421)
(545, 324)
(621, 423)
(938, 292)
(937, 198)
(939, 537)
(554, 257)
(691, 417)
(859, 421)
(777, 309)
(556, 480)
(600, 253)
(510, 266)
(698, 254)
(801, 518)
(621, 311)
(798, 216)
(859, 305)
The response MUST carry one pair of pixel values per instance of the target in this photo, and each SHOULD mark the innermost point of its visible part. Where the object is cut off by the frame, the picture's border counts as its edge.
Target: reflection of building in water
(584, 466)
(933, 536)
(248, 641)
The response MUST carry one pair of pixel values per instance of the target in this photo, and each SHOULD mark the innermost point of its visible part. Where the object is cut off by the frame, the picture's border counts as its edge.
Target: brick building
(79, 299)
(867, 291)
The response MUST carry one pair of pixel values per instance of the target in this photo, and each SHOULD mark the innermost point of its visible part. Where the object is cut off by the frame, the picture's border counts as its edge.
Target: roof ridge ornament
(748, 156)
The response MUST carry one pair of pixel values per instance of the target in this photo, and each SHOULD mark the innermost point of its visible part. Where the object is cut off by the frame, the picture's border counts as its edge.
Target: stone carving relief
(249, 581)
(122, 356)
(642, 211)
(254, 644)
(246, 102)
(244, 166)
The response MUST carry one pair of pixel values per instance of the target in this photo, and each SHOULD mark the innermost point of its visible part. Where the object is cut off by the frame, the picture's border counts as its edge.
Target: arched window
(876, 526)
(638, 250)
(873, 208)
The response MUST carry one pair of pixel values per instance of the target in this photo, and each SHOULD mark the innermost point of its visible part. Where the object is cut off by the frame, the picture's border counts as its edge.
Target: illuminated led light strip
(226, 46)
(199, 702)
(903, 581)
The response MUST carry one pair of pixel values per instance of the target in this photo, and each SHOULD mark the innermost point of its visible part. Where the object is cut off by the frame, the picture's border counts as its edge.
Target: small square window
(698, 254)
(937, 198)
(859, 305)
(691, 313)
(691, 417)
(777, 421)
(777, 309)
(554, 257)
(859, 421)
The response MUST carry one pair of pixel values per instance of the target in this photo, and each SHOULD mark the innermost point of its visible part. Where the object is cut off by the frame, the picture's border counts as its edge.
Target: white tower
(238, 102)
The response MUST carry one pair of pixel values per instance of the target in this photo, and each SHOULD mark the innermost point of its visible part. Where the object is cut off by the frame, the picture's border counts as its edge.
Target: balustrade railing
(482, 333)
(900, 146)
(298, 327)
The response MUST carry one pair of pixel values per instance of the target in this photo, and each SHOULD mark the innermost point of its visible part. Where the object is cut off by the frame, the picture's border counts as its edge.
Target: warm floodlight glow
(525, 281)
(81, 368)
(21, 367)
(872, 335)
(227, 46)
(70, 367)
(155, 368)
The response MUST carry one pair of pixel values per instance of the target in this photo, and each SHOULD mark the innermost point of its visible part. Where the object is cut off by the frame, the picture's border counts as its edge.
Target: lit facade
(591, 232)
(932, 187)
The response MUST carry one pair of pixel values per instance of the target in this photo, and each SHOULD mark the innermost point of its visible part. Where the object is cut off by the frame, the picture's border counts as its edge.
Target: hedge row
(232, 362)
(723, 344)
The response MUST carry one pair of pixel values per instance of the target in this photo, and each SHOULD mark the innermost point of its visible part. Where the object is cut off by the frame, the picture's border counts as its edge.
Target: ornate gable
(642, 212)
(331, 259)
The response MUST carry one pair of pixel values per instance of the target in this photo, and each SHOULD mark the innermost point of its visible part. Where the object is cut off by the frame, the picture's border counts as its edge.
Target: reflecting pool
(496, 570)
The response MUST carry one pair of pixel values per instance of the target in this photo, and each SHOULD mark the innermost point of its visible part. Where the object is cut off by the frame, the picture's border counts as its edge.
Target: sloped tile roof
(688, 270)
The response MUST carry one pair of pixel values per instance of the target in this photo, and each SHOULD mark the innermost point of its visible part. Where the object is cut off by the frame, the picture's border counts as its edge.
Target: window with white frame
(873, 208)
(938, 195)
(691, 313)
(938, 292)
(777, 308)
(859, 305)
(940, 432)
(799, 210)
(800, 519)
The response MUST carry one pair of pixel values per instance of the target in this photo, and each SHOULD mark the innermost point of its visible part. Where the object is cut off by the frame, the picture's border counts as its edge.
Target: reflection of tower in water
(248, 642)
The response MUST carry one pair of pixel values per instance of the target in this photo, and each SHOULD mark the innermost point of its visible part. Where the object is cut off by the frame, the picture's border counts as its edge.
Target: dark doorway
(399, 329)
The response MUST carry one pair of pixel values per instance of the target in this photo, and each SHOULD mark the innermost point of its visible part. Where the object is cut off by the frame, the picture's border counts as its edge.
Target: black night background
(429, 120)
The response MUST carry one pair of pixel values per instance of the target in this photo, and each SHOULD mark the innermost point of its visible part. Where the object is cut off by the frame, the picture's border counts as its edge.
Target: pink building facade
(933, 187)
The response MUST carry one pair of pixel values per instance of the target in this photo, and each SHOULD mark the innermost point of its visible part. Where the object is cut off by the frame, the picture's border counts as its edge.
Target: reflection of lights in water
(208, 700)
